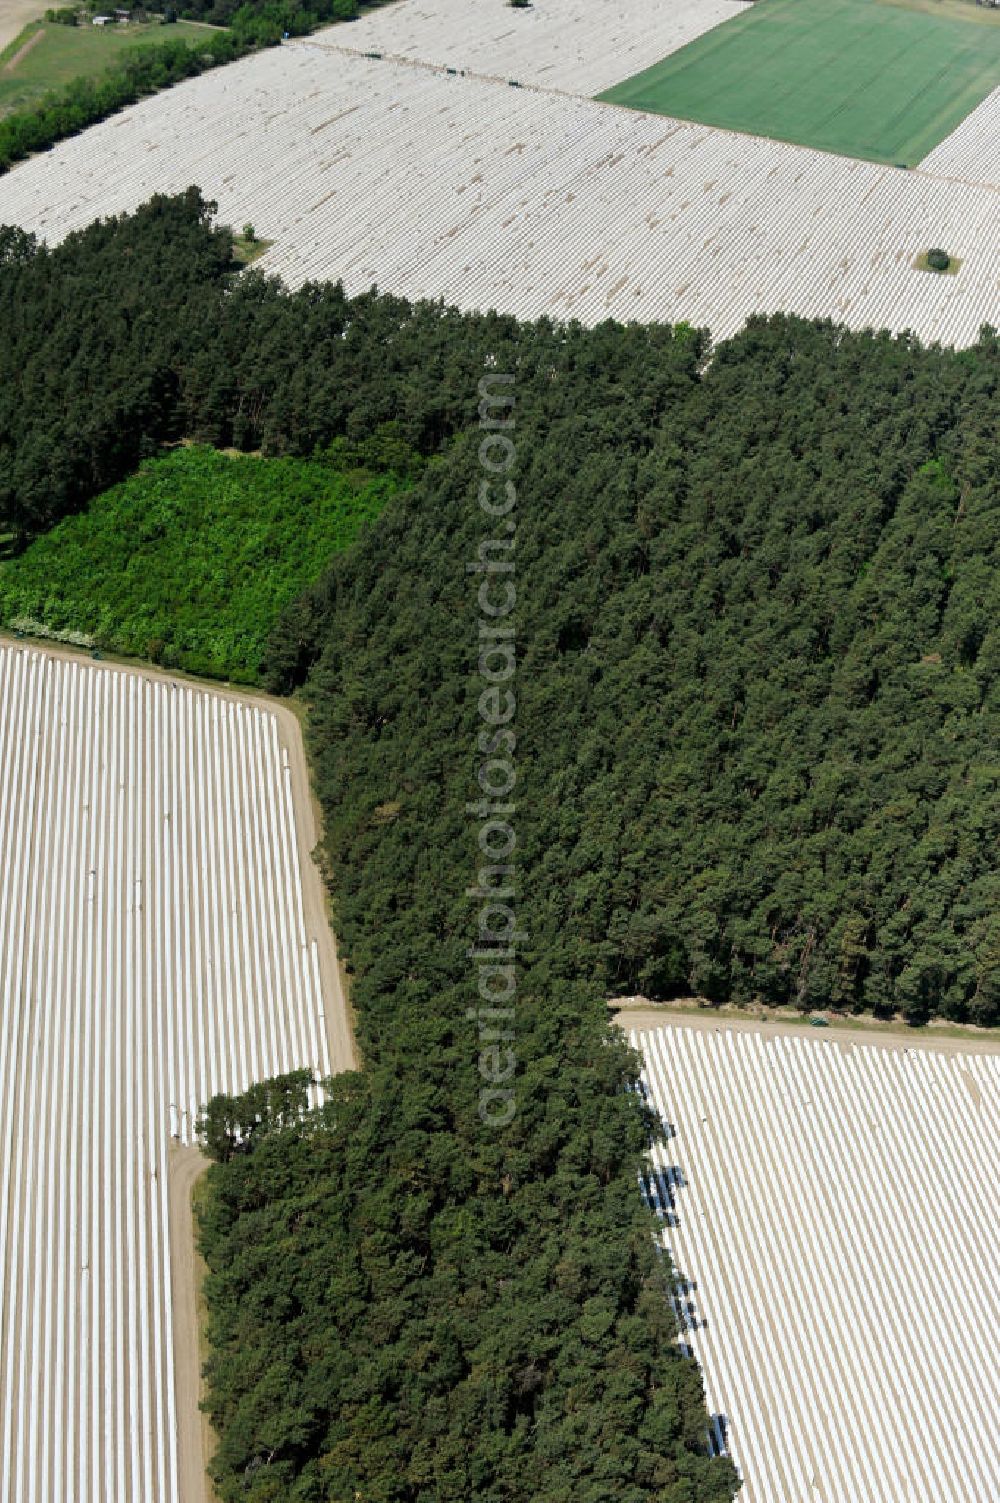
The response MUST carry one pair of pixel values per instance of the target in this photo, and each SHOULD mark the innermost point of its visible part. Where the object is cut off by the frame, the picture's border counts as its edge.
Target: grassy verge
(190, 562)
(246, 251)
(951, 270)
(61, 54)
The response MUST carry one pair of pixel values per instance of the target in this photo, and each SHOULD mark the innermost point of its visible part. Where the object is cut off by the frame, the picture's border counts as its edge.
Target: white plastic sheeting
(835, 1211)
(579, 46)
(153, 950)
(433, 185)
(972, 151)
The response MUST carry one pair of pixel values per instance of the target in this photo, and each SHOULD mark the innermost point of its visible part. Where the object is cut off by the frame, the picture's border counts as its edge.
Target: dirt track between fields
(22, 52)
(14, 17)
(187, 1165)
(644, 1018)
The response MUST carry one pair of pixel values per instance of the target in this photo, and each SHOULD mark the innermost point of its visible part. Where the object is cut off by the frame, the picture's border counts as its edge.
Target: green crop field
(859, 77)
(46, 56)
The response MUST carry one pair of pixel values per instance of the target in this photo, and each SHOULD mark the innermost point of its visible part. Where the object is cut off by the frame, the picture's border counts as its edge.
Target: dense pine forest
(758, 707)
(756, 718)
(758, 642)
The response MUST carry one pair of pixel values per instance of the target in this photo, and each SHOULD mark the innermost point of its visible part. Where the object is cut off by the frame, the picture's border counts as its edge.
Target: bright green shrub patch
(191, 561)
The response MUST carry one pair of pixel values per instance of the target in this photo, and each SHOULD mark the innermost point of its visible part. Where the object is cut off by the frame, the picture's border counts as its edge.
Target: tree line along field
(56, 79)
(47, 56)
(863, 78)
(830, 1210)
(191, 561)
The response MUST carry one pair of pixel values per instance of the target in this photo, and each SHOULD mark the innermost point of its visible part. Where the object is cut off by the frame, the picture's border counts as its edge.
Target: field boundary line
(28, 45)
(641, 1019)
(185, 1167)
(498, 80)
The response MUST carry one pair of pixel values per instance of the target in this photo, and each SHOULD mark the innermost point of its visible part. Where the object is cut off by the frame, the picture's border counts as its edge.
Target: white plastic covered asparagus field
(433, 184)
(972, 151)
(834, 1210)
(153, 950)
(577, 46)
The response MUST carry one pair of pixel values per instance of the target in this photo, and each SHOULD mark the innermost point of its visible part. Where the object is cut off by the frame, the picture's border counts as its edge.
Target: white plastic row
(437, 186)
(153, 950)
(972, 151)
(581, 46)
(836, 1210)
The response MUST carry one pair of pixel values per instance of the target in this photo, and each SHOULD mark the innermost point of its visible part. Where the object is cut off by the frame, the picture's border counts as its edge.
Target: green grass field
(29, 68)
(863, 78)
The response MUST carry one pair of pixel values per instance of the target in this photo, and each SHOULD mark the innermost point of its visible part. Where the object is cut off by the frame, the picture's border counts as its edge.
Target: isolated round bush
(938, 260)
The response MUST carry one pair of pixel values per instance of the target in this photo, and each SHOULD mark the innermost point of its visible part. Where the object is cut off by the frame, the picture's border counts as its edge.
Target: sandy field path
(639, 1018)
(14, 17)
(23, 50)
(187, 1165)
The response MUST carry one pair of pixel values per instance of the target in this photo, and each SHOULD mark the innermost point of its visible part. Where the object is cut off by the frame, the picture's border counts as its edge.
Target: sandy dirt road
(642, 1018)
(14, 17)
(343, 1054)
(187, 1165)
(23, 50)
